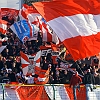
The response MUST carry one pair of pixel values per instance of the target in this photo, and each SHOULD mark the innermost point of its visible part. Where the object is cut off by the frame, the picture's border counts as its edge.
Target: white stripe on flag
(80, 25)
(25, 70)
(60, 92)
(23, 61)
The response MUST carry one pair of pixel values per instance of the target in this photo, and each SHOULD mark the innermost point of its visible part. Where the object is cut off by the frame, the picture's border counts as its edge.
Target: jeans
(74, 91)
(89, 87)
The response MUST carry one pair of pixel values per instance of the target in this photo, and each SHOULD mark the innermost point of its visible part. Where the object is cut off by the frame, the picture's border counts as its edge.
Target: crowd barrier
(45, 92)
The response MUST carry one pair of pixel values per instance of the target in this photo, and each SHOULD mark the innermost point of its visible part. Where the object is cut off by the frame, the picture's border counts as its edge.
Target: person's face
(6, 75)
(65, 72)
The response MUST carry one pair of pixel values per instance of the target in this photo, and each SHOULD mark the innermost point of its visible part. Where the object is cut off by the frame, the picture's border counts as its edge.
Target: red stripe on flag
(85, 46)
(24, 65)
(24, 56)
(38, 60)
(70, 7)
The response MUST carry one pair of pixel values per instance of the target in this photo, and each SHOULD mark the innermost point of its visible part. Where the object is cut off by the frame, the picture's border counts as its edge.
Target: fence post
(53, 92)
(3, 91)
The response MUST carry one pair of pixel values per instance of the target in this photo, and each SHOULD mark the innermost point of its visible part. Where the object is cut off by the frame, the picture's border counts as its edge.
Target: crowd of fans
(10, 62)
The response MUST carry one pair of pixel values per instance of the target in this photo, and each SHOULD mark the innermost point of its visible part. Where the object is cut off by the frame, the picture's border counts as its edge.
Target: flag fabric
(77, 25)
(33, 30)
(62, 92)
(36, 93)
(54, 47)
(37, 59)
(28, 13)
(30, 62)
(42, 75)
(25, 63)
(22, 29)
(11, 13)
(3, 26)
(48, 34)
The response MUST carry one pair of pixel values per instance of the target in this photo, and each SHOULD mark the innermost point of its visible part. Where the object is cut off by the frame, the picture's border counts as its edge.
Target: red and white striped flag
(29, 62)
(28, 13)
(75, 23)
(42, 75)
(25, 62)
(48, 34)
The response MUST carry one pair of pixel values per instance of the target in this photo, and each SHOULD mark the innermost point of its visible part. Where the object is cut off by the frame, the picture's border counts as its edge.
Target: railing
(45, 92)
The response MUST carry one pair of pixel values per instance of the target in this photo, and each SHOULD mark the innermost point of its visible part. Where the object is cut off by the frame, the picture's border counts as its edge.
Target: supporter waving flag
(75, 23)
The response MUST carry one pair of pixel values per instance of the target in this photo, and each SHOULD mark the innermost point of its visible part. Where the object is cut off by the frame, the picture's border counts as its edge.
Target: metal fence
(45, 92)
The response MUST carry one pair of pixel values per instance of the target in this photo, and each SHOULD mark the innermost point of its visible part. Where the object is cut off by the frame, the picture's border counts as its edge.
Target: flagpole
(79, 68)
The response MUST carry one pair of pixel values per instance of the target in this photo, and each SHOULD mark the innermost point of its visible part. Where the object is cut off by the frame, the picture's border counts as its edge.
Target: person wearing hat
(89, 81)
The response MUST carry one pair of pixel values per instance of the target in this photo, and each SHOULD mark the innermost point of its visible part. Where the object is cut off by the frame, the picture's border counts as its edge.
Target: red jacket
(75, 80)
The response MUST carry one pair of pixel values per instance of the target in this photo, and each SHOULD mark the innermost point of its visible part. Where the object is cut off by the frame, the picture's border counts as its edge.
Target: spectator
(5, 78)
(75, 82)
(12, 75)
(1, 63)
(89, 81)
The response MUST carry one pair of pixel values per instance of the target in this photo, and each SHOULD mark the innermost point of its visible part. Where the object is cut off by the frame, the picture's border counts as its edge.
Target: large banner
(61, 92)
(48, 92)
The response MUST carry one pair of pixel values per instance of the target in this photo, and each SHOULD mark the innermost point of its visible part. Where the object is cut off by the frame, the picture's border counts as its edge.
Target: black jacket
(89, 78)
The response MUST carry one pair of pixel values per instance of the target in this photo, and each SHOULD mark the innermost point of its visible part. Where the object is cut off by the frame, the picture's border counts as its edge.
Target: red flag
(11, 13)
(75, 23)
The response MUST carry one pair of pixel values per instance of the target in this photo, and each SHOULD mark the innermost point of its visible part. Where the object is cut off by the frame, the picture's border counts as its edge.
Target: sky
(15, 4)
